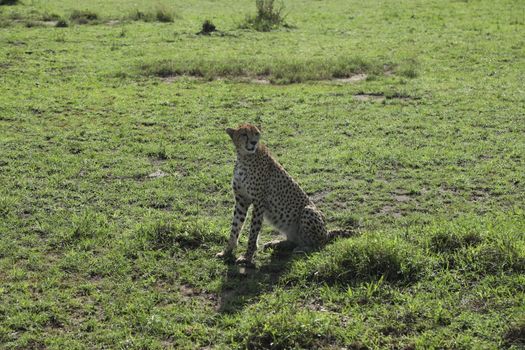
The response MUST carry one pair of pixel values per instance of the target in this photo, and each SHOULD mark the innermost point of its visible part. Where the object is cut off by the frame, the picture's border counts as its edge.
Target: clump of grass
(62, 23)
(279, 71)
(138, 15)
(493, 258)
(33, 24)
(409, 69)
(9, 2)
(446, 241)
(161, 14)
(365, 258)
(6, 206)
(207, 28)
(83, 17)
(86, 226)
(515, 335)
(164, 15)
(267, 18)
(287, 329)
(48, 17)
(169, 235)
(16, 16)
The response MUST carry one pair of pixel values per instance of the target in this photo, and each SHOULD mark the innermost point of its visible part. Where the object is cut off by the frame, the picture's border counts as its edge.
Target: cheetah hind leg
(312, 230)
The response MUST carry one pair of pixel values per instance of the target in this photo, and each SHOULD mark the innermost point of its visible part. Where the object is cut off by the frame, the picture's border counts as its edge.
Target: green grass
(115, 175)
(277, 70)
(268, 16)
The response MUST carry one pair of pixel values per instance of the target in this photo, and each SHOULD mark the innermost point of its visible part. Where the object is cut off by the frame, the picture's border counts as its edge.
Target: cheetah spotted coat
(259, 180)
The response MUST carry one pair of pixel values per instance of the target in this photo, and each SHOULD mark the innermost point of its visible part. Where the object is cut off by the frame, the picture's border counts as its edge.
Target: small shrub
(207, 28)
(61, 23)
(267, 18)
(164, 15)
(83, 17)
(9, 2)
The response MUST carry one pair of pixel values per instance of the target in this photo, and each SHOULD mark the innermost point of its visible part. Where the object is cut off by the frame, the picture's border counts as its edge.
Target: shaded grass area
(9, 2)
(280, 71)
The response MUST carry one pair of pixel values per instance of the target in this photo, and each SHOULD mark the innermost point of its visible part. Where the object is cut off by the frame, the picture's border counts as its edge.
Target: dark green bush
(267, 18)
(9, 2)
(207, 27)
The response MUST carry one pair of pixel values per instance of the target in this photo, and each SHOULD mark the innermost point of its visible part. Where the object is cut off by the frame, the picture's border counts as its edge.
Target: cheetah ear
(230, 131)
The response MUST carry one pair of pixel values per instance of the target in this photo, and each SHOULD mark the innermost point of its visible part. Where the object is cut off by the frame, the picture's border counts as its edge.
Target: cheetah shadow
(241, 285)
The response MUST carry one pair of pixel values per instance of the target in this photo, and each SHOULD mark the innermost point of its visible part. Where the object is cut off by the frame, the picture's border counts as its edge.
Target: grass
(267, 18)
(280, 71)
(116, 170)
(161, 14)
(84, 17)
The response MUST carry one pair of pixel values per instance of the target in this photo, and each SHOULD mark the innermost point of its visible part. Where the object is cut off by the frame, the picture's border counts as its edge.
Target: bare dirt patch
(390, 210)
(370, 97)
(190, 292)
(262, 81)
(157, 174)
(352, 79)
(401, 198)
(318, 196)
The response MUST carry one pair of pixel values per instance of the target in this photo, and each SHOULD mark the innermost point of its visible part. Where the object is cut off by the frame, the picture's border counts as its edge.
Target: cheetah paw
(242, 260)
(225, 255)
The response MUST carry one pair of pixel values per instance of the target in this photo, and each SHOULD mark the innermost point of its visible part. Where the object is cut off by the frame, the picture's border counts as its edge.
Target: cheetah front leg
(239, 215)
(257, 219)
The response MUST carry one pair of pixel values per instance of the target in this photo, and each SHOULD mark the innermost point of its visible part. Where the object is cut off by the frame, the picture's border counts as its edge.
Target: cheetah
(260, 180)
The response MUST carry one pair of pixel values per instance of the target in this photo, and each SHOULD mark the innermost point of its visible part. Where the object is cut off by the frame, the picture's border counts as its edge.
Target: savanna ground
(404, 120)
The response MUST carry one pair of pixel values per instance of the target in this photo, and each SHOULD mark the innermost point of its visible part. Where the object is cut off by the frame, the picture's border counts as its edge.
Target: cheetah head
(245, 138)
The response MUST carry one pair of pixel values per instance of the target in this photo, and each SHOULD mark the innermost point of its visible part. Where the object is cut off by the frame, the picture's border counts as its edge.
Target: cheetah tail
(334, 234)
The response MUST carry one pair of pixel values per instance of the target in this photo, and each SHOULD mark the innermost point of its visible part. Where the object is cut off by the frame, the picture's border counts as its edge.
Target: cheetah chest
(244, 182)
